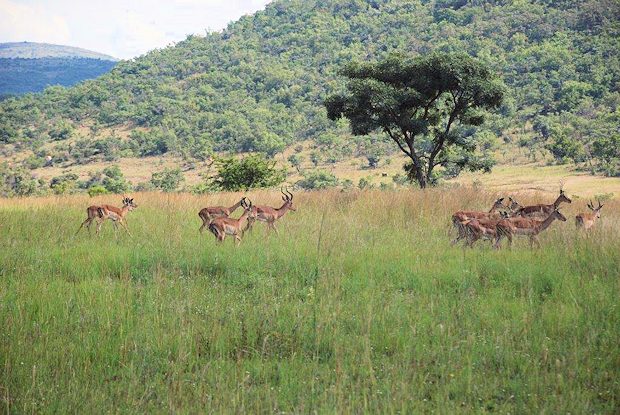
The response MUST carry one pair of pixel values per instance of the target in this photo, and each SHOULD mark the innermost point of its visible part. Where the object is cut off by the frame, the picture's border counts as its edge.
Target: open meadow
(359, 304)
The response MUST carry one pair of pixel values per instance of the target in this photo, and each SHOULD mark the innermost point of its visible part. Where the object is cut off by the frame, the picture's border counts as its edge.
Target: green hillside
(259, 84)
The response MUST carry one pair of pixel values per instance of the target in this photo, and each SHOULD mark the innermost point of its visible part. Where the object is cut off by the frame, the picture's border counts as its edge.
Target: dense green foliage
(258, 85)
(426, 105)
(251, 172)
(20, 76)
(317, 179)
(358, 306)
(168, 179)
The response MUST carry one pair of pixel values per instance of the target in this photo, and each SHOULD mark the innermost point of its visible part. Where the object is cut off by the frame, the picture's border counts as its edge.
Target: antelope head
(597, 210)
(129, 204)
(556, 214)
(247, 205)
(563, 197)
(288, 199)
(514, 205)
(499, 204)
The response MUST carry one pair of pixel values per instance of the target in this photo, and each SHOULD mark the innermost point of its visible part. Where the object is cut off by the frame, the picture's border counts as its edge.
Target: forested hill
(30, 67)
(259, 84)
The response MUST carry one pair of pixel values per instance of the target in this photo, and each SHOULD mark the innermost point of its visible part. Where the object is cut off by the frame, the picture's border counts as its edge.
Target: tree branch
(397, 141)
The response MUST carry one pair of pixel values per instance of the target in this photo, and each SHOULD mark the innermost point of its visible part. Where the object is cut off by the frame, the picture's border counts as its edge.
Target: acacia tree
(421, 103)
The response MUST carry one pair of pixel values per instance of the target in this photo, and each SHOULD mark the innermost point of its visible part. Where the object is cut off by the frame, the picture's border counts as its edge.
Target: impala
(462, 216)
(586, 220)
(103, 212)
(544, 210)
(524, 226)
(270, 215)
(222, 226)
(208, 214)
(482, 228)
(514, 205)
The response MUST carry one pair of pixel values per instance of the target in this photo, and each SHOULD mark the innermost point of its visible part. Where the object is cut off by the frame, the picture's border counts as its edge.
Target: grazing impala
(103, 212)
(270, 215)
(208, 214)
(222, 226)
(541, 210)
(524, 226)
(586, 220)
(462, 216)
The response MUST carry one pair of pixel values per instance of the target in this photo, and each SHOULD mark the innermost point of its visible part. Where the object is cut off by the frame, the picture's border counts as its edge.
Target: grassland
(360, 304)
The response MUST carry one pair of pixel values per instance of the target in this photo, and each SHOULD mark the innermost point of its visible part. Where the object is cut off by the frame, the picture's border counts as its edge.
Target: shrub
(251, 172)
(64, 184)
(167, 180)
(318, 179)
(97, 190)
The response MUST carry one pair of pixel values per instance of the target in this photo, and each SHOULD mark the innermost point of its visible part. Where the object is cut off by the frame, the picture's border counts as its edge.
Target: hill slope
(34, 50)
(30, 67)
(259, 84)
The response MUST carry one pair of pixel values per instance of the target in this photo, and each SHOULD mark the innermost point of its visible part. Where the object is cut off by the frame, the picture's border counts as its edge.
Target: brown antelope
(222, 226)
(482, 228)
(587, 220)
(462, 216)
(514, 205)
(524, 226)
(102, 212)
(270, 215)
(541, 210)
(208, 214)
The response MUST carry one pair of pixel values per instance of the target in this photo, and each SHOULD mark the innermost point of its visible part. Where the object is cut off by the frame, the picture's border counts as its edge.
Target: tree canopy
(422, 104)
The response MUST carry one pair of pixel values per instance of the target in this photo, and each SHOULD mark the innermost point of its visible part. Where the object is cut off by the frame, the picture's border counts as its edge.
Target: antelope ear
(284, 198)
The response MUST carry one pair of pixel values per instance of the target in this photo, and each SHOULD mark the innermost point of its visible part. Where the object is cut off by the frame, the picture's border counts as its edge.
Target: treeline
(259, 85)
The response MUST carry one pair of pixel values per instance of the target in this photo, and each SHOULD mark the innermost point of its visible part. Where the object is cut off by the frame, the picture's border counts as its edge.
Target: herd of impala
(501, 221)
(216, 218)
(506, 221)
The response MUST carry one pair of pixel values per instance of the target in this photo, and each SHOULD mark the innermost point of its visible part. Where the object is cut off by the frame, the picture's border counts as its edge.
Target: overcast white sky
(121, 28)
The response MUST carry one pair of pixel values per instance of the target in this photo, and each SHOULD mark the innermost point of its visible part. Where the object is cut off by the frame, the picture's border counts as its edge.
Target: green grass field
(359, 305)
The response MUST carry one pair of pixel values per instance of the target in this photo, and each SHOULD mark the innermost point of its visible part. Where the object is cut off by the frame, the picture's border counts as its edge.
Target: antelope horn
(290, 194)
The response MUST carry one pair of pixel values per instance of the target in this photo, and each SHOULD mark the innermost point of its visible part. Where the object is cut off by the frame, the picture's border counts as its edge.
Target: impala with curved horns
(587, 220)
(208, 214)
(222, 226)
(542, 210)
(270, 215)
(100, 213)
(524, 226)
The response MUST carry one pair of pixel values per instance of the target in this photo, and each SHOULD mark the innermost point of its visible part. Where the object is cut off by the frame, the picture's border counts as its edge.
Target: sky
(121, 28)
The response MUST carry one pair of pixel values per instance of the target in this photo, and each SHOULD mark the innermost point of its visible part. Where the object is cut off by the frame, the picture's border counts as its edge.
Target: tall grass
(360, 304)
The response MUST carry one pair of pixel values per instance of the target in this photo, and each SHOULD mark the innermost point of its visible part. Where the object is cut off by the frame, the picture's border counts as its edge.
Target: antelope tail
(100, 212)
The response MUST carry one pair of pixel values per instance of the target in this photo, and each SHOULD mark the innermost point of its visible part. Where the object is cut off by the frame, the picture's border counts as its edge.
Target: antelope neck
(545, 224)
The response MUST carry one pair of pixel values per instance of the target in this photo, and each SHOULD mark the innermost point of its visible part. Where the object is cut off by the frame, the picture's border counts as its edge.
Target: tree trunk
(417, 169)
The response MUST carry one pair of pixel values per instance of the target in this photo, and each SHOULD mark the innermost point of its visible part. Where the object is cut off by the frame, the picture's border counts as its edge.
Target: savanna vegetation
(360, 304)
(259, 85)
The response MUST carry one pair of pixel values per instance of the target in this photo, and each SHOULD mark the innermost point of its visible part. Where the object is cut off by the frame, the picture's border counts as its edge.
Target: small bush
(318, 179)
(251, 172)
(167, 180)
(97, 190)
